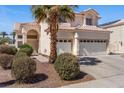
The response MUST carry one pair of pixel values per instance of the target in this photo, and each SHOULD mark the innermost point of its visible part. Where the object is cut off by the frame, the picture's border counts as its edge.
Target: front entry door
(32, 39)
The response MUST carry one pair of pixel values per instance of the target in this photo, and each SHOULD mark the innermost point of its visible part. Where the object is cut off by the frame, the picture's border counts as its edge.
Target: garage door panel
(64, 47)
(92, 48)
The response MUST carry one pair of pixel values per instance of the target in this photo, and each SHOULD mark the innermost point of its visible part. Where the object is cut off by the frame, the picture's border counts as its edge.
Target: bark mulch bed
(45, 77)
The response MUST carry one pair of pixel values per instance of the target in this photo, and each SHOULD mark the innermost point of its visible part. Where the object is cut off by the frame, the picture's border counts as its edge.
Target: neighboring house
(117, 35)
(80, 37)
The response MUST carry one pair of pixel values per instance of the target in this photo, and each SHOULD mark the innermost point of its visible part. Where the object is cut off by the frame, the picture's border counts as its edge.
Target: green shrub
(6, 61)
(23, 68)
(20, 54)
(67, 66)
(5, 40)
(27, 49)
(25, 46)
(13, 50)
(8, 49)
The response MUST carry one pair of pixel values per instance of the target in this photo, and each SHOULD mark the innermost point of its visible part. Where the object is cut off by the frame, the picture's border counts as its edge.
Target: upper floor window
(19, 36)
(88, 21)
(62, 19)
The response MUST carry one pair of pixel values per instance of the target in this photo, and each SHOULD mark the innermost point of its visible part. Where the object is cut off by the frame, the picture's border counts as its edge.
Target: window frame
(20, 44)
(20, 36)
(89, 21)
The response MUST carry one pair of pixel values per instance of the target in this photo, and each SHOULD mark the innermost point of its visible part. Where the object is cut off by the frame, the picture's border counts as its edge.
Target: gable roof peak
(91, 10)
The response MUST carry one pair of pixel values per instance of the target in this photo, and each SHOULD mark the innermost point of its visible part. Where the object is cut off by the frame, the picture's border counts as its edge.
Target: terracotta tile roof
(66, 26)
(82, 28)
(30, 23)
(94, 28)
(17, 26)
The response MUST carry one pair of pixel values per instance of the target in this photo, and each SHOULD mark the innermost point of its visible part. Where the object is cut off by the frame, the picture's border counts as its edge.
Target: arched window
(32, 34)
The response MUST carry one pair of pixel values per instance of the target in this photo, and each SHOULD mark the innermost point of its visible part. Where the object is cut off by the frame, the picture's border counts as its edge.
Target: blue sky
(10, 14)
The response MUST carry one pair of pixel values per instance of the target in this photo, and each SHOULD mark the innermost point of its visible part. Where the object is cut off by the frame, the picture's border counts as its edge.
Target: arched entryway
(33, 39)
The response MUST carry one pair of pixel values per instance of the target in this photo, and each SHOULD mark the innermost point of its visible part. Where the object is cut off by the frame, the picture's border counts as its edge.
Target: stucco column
(24, 36)
(76, 44)
(16, 42)
(84, 21)
(39, 44)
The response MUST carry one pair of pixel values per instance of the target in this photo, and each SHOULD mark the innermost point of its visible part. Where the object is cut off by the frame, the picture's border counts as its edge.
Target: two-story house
(80, 37)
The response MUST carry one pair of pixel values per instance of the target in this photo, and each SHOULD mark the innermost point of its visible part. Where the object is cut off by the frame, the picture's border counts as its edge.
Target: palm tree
(53, 14)
(13, 35)
(3, 34)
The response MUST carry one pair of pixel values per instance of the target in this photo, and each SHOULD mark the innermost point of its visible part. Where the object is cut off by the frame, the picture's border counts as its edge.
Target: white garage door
(64, 46)
(92, 47)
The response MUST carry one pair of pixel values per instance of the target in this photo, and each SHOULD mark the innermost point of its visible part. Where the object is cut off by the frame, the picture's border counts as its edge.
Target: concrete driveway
(108, 71)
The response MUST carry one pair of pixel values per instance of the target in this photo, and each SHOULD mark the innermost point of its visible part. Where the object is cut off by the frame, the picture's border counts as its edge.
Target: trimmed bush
(8, 49)
(13, 50)
(23, 68)
(67, 66)
(27, 49)
(25, 46)
(6, 61)
(20, 54)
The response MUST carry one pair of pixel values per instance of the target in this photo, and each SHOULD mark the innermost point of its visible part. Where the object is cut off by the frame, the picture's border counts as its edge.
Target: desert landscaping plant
(13, 50)
(6, 60)
(27, 49)
(5, 40)
(23, 67)
(20, 54)
(67, 66)
(8, 49)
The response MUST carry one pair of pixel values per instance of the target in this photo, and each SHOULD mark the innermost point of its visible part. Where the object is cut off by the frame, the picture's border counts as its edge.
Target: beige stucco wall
(44, 40)
(30, 27)
(65, 34)
(78, 20)
(116, 37)
(94, 35)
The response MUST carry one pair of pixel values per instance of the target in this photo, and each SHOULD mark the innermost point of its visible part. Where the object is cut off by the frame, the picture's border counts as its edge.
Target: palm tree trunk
(53, 43)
